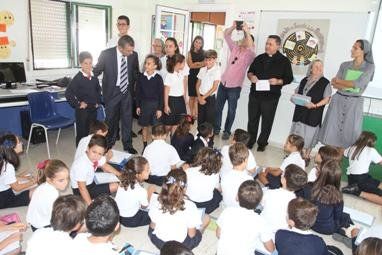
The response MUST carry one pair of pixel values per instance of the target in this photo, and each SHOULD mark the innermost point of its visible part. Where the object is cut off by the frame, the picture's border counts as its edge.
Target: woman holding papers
(311, 96)
(343, 122)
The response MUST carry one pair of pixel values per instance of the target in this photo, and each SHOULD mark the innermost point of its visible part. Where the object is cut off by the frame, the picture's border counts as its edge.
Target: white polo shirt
(83, 170)
(230, 183)
(46, 241)
(240, 229)
(227, 164)
(82, 146)
(207, 78)
(293, 158)
(161, 156)
(174, 226)
(312, 176)
(41, 205)
(175, 82)
(361, 164)
(275, 203)
(163, 72)
(131, 200)
(7, 176)
(200, 187)
(82, 245)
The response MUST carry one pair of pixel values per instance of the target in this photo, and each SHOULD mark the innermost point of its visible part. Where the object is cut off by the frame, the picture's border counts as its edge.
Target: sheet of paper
(119, 156)
(359, 216)
(101, 178)
(263, 85)
(22, 91)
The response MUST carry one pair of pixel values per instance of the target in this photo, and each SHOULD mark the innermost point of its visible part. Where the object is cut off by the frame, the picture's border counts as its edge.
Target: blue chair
(43, 114)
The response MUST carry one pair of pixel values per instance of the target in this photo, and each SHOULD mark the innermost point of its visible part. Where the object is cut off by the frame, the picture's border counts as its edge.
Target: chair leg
(58, 135)
(30, 137)
(47, 141)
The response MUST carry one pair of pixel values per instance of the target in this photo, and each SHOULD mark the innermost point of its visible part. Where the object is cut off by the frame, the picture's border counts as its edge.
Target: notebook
(120, 158)
(101, 178)
(358, 216)
(352, 75)
(300, 99)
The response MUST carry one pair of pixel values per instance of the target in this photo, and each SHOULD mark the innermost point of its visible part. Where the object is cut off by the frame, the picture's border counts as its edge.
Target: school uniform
(230, 183)
(182, 145)
(175, 81)
(163, 72)
(8, 199)
(82, 245)
(275, 203)
(161, 156)
(312, 176)
(296, 241)
(207, 77)
(202, 189)
(293, 158)
(198, 144)
(129, 203)
(84, 88)
(240, 229)
(82, 146)
(83, 170)
(227, 164)
(41, 205)
(149, 97)
(174, 226)
(46, 241)
(358, 170)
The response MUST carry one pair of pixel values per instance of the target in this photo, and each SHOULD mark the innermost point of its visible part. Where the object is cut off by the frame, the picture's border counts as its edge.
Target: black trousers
(207, 112)
(83, 119)
(120, 109)
(266, 110)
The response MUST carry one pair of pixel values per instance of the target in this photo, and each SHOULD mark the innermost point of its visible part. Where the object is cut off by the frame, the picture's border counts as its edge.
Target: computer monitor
(12, 72)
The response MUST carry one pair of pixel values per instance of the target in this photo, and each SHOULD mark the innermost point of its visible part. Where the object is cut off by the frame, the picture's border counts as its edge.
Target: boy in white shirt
(240, 227)
(206, 87)
(230, 182)
(102, 220)
(239, 136)
(162, 157)
(275, 201)
(83, 170)
(67, 216)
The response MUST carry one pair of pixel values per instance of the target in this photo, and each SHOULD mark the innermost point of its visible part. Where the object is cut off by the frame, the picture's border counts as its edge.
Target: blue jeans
(231, 95)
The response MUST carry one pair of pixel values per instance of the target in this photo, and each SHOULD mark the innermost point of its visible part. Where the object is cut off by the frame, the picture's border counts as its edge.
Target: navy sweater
(150, 90)
(293, 243)
(81, 89)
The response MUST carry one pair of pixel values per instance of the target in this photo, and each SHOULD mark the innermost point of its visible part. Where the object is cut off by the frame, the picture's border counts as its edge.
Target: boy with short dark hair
(162, 157)
(275, 201)
(239, 136)
(239, 228)
(67, 216)
(206, 88)
(84, 95)
(298, 239)
(102, 220)
(204, 139)
(231, 181)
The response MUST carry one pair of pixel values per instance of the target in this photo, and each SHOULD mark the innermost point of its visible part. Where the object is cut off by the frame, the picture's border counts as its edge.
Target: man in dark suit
(120, 68)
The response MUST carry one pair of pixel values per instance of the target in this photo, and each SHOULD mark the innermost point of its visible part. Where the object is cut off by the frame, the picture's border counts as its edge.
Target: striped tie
(124, 79)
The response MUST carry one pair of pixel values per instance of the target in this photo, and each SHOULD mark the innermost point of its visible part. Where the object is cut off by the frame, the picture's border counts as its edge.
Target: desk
(13, 101)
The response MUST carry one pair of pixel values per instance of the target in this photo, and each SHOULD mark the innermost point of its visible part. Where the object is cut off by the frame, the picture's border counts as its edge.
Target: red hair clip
(42, 164)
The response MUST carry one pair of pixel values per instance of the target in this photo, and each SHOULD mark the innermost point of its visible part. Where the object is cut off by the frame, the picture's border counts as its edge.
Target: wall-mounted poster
(303, 40)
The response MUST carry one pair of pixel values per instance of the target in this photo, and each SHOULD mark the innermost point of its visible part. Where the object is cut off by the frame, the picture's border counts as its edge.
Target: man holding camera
(241, 55)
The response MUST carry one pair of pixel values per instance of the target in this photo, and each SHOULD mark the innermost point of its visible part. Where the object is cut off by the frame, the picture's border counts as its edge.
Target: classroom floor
(138, 236)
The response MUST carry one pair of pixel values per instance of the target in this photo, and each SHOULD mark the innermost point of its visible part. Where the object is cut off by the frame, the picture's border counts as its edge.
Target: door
(172, 22)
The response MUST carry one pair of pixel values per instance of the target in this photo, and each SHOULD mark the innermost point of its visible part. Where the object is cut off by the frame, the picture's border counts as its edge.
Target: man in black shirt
(275, 68)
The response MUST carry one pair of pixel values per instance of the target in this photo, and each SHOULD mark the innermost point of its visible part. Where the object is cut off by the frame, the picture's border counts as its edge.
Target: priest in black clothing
(84, 95)
(268, 73)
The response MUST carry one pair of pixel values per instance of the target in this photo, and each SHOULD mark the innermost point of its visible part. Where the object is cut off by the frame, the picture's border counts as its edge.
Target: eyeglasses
(235, 59)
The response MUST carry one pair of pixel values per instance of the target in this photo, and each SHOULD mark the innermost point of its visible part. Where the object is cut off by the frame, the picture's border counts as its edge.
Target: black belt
(346, 95)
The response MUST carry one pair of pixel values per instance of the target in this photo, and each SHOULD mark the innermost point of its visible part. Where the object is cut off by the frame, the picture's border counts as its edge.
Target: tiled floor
(138, 236)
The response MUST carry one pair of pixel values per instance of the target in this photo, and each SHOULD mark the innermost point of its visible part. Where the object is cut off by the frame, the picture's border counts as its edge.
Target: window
(60, 30)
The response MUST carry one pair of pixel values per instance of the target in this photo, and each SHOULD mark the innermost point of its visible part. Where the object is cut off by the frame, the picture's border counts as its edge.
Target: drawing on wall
(303, 40)
(6, 20)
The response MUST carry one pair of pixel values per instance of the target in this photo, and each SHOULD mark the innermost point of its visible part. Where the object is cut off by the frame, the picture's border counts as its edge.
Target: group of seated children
(254, 218)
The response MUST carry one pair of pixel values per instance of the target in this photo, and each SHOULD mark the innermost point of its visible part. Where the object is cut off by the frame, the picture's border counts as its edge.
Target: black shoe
(261, 148)
(226, 136)
(130, 150)
(352, 190)
(216, 132)
(133, 134)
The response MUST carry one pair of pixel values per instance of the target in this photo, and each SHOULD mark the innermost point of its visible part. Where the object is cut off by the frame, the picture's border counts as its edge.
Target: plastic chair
(43, 114)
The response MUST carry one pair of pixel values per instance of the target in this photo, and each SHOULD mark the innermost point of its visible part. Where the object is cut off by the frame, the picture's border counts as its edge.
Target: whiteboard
(344, 29)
